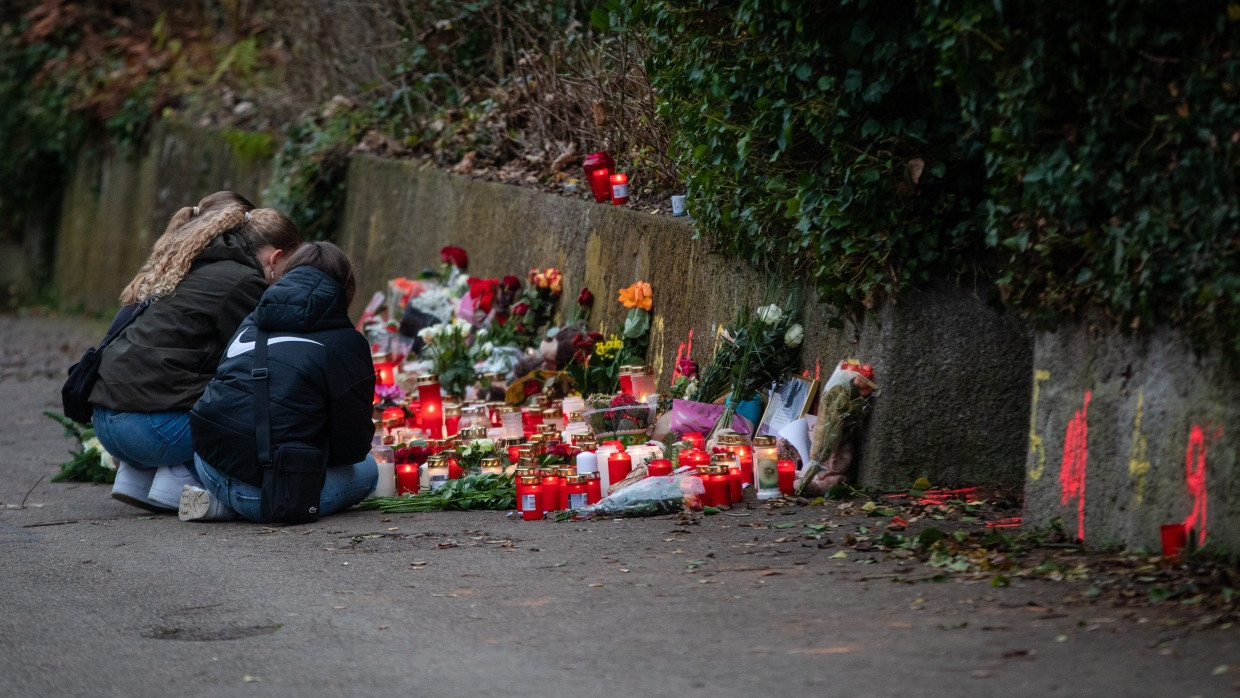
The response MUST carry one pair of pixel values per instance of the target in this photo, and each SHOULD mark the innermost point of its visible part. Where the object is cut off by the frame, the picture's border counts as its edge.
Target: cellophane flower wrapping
(844, 401)
(701, 417)
(663, 494)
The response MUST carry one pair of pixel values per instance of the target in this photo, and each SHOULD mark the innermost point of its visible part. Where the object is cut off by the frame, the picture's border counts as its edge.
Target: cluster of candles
(523, 435)
(605, 183)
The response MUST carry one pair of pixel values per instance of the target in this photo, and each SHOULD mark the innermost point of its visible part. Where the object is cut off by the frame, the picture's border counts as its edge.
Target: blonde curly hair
(189, 232)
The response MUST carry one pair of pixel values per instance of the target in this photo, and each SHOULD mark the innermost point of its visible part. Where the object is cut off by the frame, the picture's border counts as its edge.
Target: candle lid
(530, 479)
(578, 479)
(721, 459)
(764, 441)
(509, 409)
(427, 379)
(381, 358)
(551, 412)
(574, 416)
(452, 410)
(489, 460)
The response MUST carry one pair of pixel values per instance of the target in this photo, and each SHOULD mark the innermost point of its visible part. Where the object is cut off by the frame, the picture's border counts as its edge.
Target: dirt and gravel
(101, 599)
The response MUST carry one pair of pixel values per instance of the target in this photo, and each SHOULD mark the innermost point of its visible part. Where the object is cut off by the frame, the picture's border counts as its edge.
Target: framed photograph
(790, 401)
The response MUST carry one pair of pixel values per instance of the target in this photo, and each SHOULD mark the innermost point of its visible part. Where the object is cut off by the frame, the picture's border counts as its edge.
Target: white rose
(794, 335)
(770, 314)
(487, 348)
(427, 334)
(482, 333)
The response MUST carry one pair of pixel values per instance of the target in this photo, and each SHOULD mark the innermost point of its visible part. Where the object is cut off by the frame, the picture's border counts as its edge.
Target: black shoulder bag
(294, 473)
(75, 393)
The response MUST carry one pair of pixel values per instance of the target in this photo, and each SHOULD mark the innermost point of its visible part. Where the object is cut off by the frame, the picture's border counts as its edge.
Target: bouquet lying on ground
(469, 493)
(844, 402)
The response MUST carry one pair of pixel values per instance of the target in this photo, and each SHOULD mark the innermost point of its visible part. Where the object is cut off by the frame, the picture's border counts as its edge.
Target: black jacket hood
(304, 300)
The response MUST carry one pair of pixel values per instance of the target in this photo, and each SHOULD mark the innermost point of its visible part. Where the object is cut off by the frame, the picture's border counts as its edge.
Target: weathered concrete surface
(1140, 417)
(954, 373)
(101, 599)
(118, 202)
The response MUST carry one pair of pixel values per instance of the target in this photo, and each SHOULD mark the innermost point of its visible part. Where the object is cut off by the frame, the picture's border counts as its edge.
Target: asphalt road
(100, 599)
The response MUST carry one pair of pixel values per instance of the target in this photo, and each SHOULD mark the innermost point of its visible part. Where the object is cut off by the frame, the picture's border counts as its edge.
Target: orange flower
(636, 296)
(555, 280)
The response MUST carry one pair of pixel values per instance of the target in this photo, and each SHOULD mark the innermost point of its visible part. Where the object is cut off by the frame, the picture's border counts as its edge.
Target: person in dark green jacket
(204, 275)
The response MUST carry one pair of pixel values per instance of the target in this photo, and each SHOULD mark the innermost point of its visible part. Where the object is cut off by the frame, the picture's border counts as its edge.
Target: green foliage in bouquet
(755, 351)
(448, 348)
(470, 493)
(86, 465)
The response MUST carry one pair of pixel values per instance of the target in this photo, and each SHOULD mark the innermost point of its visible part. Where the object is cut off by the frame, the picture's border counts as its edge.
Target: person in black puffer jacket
(321, 384)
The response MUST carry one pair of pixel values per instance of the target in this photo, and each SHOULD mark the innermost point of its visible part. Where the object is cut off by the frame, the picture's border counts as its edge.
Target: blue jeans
(146, 440)
(345, 486)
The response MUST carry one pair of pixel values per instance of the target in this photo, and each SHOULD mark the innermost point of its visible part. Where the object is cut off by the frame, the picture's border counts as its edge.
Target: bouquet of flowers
(844, 401)
(621, 417)
(447, 347)
(756, 351)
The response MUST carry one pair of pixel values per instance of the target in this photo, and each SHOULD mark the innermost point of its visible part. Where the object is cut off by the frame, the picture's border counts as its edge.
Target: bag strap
(262, 422)
(124, 317)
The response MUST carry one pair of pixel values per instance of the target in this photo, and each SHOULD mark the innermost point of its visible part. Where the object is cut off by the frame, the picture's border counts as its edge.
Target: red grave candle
(659, 467)
(619, 188)
(694, 458)
(455, 471)
(715, 480)
(566, 474)
(626, 380)
(576, 492)
(529, 497)
(734, 483)
(385, 369)
(618, 466)
(452, 420)
(787, 473)
(430, 417)
(407, 479)
(598, 167)
(695, 438)
(744, 454)
(551, 490)
(394, 413)
(594, 488)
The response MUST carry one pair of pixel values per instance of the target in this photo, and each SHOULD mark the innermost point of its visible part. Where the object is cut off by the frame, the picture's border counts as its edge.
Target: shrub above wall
(1078, 153)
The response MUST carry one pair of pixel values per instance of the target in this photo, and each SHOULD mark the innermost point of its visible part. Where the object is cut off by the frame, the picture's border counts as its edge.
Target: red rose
(585, 299)
(531, 388)
(511, 282)
(596, 336)
(483, 293)
(520, 309)
(454, 256)
(687, 368)
(501, 319)
(624, 400)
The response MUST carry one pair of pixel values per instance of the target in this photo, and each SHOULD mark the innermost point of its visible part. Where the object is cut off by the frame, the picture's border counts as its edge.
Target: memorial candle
(787, 474)
(577, 492)
(492, 466)
(452, 419)
(695, 438)
(619, 464)
(659, 467)
(407, 477)
(594, 488)
(766, 467)
(529, 497)
(551, 489)
(430, 417)
(385, 369)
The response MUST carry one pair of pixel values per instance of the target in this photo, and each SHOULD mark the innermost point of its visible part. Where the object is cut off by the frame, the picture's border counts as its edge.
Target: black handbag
(75, 393)
(293, 475)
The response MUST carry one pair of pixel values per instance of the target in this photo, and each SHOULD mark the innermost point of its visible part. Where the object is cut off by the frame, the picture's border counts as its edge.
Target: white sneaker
(197, 504)
(166, 487)
(132, 485)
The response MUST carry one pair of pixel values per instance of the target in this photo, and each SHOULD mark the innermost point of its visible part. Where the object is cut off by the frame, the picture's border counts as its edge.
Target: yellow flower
(636, 296)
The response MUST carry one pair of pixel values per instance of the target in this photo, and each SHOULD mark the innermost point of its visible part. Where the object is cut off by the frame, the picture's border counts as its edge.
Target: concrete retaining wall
(1129, 433)
(954, 373)
(118, 202)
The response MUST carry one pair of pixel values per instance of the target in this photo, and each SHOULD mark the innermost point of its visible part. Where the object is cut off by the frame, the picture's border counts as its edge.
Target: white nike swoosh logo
(239, 347)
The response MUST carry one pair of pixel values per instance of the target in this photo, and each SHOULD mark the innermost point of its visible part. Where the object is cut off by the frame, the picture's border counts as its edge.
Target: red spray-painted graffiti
(1195, 471)
(1072, 470)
